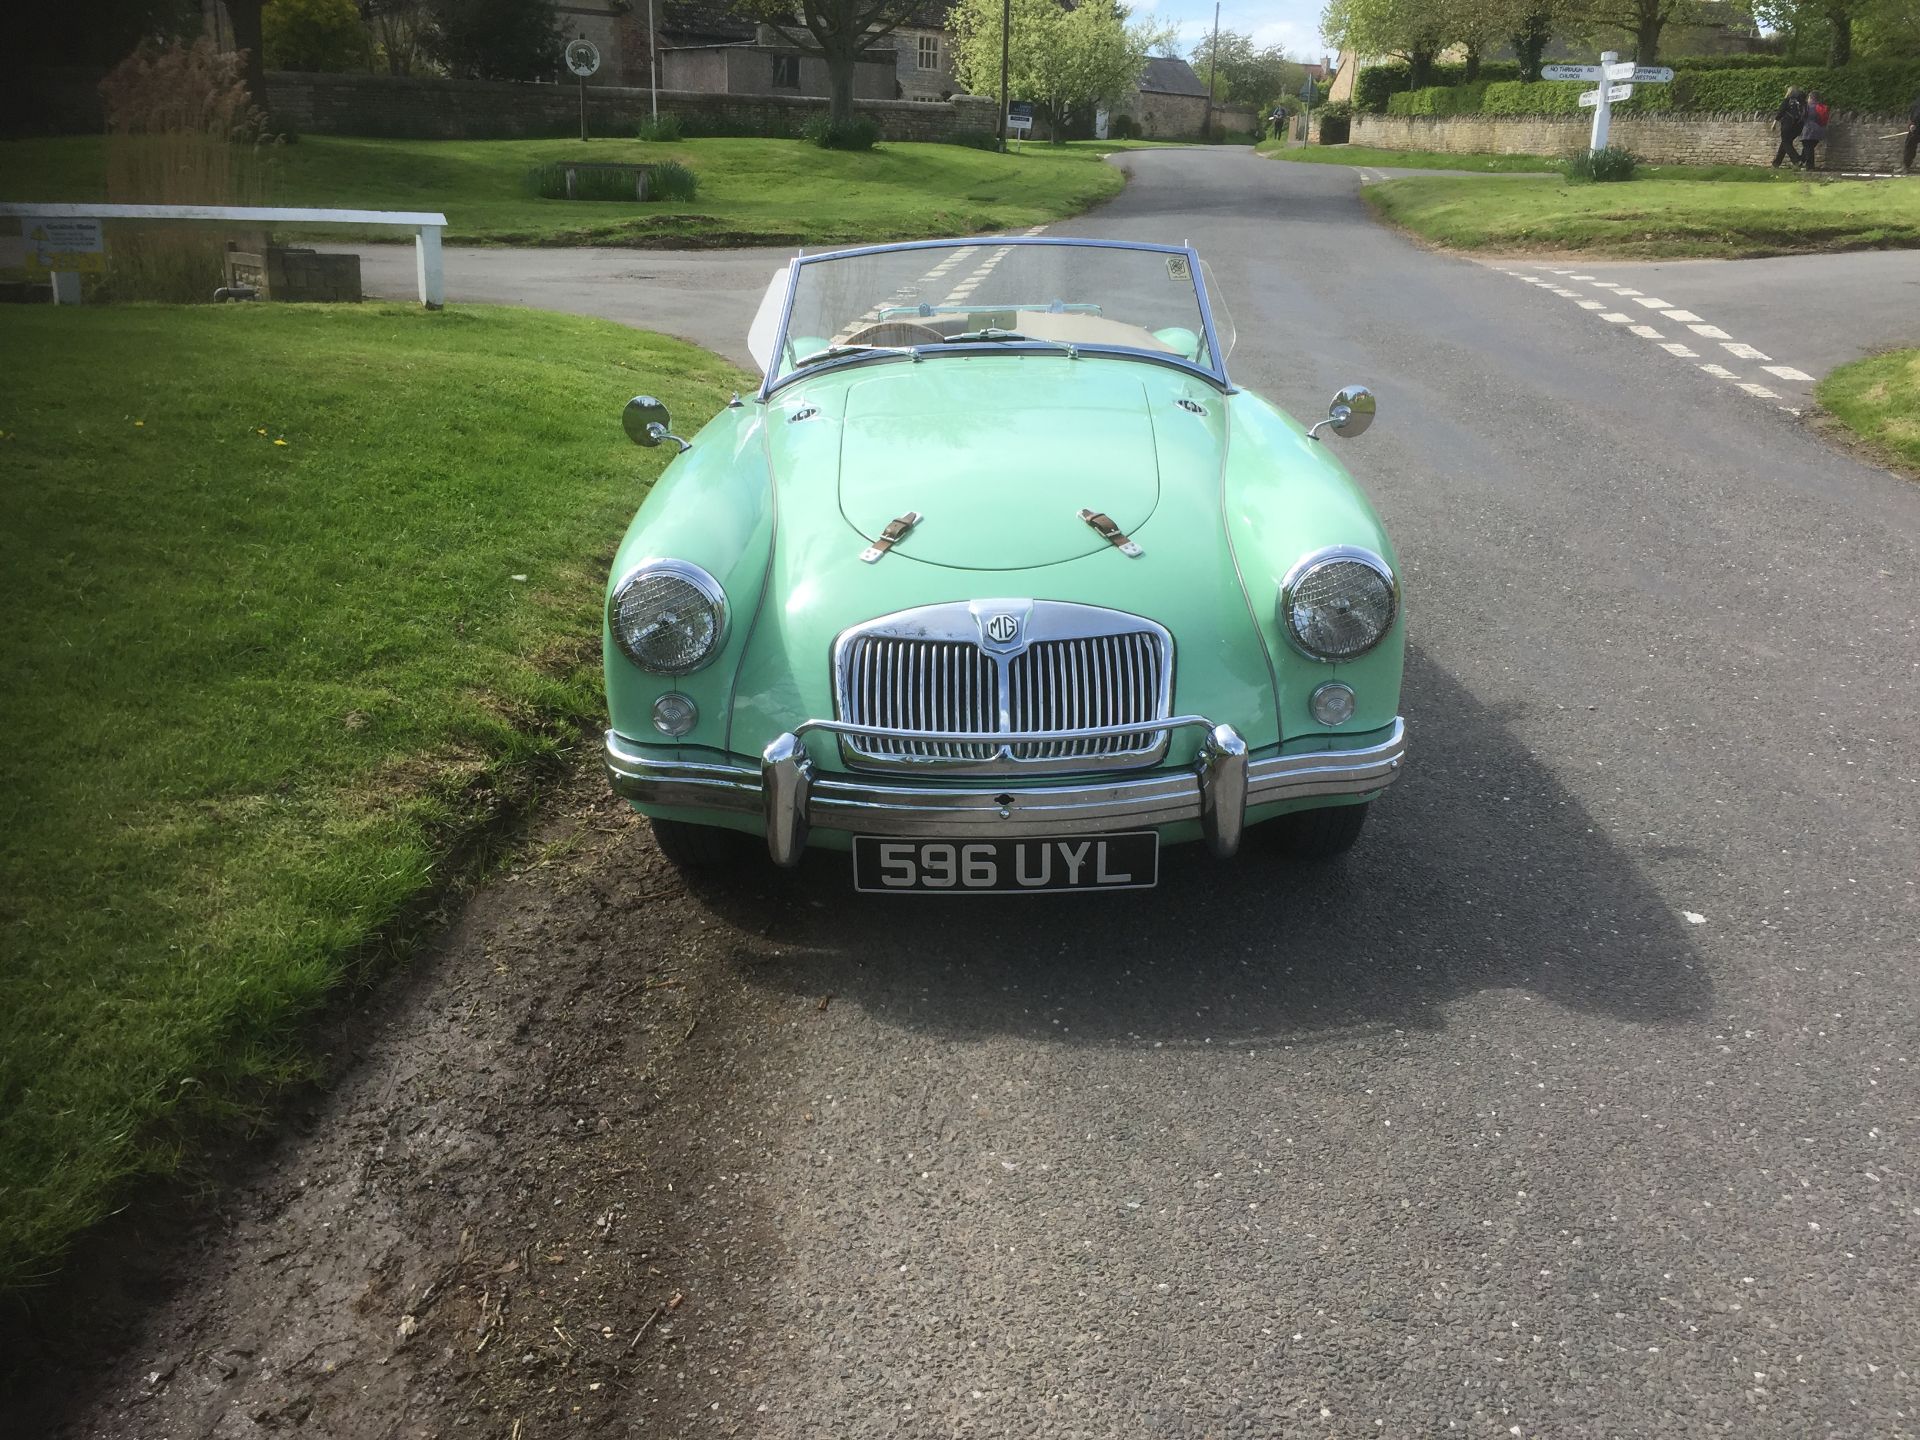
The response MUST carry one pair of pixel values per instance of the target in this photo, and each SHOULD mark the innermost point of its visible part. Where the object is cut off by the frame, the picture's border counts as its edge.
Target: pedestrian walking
(1813, 129)
(1791, 115)
(1913, 134)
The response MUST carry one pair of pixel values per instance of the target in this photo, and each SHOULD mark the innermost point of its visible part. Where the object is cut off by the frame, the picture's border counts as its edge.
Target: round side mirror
(1352, 410)
(646, 420)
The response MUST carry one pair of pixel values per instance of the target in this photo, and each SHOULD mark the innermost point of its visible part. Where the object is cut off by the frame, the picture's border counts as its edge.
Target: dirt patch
(501, 1219)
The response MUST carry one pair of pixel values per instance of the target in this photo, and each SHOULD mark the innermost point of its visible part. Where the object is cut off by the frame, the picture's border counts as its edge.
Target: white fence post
(426, 248)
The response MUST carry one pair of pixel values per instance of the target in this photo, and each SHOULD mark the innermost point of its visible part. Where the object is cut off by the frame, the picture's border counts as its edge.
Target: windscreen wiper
(836, 352)
(993, 334)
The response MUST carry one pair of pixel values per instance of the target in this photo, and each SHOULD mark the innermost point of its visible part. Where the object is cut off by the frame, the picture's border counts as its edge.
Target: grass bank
(1655, 217)
(295, 596)
(1400, 159)
(1878, 399)
(751, 191)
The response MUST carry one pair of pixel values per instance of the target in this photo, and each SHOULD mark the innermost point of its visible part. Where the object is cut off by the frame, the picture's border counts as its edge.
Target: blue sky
(1292, 23)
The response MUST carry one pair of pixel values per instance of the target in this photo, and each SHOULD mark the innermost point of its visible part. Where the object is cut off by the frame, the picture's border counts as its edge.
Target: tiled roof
(697, 21)
(1170, 75)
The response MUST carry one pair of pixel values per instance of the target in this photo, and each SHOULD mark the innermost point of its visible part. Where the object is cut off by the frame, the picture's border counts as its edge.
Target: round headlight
(1336, 604)
(668, 617)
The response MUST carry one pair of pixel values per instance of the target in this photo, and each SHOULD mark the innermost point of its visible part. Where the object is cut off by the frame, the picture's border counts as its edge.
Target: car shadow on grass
(1479, 870)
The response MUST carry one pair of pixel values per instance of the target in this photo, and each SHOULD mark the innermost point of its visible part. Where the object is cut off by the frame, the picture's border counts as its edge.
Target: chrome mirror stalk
(647, 423)
(1350, 413)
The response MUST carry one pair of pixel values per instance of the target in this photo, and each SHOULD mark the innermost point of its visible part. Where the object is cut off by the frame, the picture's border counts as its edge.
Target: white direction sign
(1651, 75)
(1614, 92)
(1622, 71)
(1589, 98)
(1569, 72)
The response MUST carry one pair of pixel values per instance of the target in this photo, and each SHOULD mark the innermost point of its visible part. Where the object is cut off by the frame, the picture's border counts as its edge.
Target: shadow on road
(1478, 870)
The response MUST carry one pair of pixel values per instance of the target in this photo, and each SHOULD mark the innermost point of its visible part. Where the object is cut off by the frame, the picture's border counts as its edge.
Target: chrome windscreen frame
(1215, 374)
(1040, 621)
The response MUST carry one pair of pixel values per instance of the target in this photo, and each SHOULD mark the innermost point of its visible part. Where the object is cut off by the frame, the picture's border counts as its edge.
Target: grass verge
(295, 596)
(1878, 399)
(751, 191)
(1653, 218)
(1400, 159)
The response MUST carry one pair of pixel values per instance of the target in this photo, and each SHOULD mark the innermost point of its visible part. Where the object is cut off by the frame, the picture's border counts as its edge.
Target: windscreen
(1023, 297)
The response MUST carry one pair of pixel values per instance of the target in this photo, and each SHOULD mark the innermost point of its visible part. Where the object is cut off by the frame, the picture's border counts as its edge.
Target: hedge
(1883, 87)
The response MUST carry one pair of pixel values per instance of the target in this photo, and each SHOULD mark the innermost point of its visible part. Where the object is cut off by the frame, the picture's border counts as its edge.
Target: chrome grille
(1071, 667)
(921, 685)
(1083, 684)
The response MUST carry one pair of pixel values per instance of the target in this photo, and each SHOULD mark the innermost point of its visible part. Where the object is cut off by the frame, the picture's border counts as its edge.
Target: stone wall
(1177, 117)
(1853, 141)
(381, 105)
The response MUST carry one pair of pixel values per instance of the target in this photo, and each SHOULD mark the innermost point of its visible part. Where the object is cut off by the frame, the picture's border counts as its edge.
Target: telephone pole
(1006, 42)
(1213, 69)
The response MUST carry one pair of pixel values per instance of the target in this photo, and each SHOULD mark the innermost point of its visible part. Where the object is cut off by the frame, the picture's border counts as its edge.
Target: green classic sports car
(1001, 583)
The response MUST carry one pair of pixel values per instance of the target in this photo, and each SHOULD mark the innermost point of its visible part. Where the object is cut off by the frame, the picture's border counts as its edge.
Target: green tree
(1247, 76)
(1063, 59)
(838, 32)
(1415, 31)
(494, 39)
(324, 35)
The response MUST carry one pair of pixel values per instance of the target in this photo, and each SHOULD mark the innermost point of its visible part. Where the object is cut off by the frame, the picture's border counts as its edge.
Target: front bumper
(789, 792)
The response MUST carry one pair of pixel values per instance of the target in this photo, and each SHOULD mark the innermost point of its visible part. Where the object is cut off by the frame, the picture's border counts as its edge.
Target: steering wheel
(895, 332)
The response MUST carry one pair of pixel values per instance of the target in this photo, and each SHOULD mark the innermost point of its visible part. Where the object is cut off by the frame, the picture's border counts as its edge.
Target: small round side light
(1332, 704)
(674, 714)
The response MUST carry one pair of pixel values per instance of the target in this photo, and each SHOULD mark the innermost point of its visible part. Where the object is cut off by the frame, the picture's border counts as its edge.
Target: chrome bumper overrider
(791, 794)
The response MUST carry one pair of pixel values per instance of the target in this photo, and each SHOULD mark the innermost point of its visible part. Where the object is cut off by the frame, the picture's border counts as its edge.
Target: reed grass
(181, 130)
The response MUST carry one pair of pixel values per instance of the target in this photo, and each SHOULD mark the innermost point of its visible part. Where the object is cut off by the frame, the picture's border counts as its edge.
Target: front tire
(698, 847)
(1323, 834)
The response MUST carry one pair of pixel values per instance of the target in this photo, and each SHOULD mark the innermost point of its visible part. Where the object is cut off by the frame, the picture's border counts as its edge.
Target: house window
(929, 52)
(786, 72)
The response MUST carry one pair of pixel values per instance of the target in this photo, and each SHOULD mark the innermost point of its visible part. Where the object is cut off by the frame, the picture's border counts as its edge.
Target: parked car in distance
(1002, 584)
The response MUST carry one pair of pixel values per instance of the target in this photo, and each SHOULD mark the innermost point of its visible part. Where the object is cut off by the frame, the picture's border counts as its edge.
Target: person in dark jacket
(1913, 134)
(1813, 129)
(1789, 117)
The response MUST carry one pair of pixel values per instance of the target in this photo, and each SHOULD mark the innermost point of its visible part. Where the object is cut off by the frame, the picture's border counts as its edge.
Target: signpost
(583, 58)
(1605, 92)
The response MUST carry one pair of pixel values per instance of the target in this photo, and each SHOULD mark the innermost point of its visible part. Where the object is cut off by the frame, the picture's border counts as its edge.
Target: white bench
(426, 227)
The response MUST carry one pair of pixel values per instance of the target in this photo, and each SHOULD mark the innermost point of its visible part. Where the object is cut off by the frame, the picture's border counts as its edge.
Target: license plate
(883, 865)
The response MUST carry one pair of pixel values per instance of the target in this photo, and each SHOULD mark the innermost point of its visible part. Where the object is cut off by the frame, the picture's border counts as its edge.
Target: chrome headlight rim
(1312, 561)
(701, 581)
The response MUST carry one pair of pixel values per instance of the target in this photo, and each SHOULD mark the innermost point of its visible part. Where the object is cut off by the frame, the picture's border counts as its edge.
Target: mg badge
(1002, 628)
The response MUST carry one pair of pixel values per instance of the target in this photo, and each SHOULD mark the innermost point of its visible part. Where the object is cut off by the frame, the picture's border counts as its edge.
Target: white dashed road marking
(1614, 291)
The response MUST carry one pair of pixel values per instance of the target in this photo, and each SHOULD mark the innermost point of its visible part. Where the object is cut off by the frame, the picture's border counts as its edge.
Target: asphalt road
(1580, 1100)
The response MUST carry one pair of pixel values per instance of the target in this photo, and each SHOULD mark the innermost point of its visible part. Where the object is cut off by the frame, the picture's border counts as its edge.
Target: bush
(670, 180)
(1882, 87)
(666, 180)
(1377, 83)
(1123, 127)
(323, 35)
(661, 130)
(1607, 164)
(859, 133)
(975, 139)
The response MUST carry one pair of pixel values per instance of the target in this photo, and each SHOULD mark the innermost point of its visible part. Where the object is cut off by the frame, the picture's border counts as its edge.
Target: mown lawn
(1654, 217)
(295, 596)
(1504, 164)
(1400, 159)
(1879, 400)
(751, 191)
